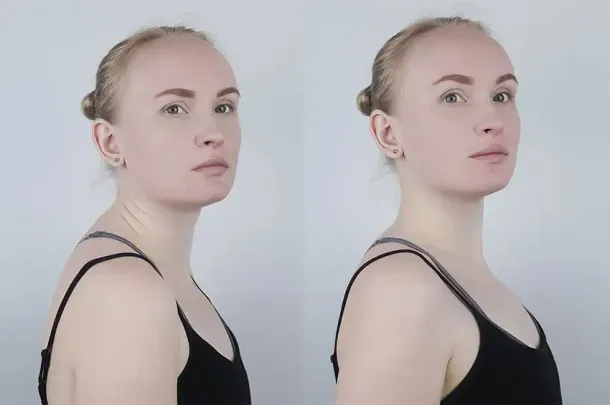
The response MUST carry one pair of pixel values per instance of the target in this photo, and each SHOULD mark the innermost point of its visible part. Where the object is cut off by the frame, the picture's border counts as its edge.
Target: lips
(213, 162)
(492, 150)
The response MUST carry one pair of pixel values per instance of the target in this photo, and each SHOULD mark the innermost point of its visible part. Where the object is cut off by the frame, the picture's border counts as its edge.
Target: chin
(210, 191)
(475, 189)
(212, 196)
(486, 188)
(193, 200)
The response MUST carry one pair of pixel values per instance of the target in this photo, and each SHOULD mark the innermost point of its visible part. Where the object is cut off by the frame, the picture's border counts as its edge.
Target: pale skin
(120, 340)
(405, 338)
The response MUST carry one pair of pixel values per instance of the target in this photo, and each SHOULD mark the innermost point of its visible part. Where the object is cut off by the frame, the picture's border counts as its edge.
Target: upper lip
(489, 150)
(213, 161)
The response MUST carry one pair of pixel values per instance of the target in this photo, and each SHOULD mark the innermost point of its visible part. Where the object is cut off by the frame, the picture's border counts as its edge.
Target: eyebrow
(463, 79)
(228, 90)
(187, 93)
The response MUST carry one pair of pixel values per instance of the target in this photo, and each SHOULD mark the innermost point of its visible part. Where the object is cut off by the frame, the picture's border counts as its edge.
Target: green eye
(452, 98)
(503, 97)
(174, 109)
(225, 109)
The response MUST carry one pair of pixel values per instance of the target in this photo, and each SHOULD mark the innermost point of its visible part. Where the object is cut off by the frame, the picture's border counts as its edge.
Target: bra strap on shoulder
(46, 352)
(355, 275)
(442, 272)
(78, 277)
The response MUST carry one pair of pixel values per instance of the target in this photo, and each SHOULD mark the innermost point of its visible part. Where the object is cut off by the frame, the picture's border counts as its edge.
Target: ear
(106, 143)
(381, 126)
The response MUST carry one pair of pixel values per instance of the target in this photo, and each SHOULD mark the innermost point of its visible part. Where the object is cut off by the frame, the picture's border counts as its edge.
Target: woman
(412, 330)
(128, 324)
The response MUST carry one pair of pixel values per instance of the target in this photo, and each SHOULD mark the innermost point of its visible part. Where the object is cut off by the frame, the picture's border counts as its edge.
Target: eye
(503, 97)
(452, 98)
(224, 108)
(174, 109)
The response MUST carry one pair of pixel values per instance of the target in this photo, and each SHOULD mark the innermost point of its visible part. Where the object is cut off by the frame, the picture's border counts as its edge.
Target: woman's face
(455, 100)
(177, 110)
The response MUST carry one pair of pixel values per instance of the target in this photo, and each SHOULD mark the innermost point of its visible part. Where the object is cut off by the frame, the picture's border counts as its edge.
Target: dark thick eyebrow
(228, 90)
(186, 93)
(506, 77)
(463, 79)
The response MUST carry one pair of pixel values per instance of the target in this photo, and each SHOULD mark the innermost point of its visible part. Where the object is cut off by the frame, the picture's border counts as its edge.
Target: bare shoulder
(122, 288)
(403, 281)
(124, 330)
(393, 343)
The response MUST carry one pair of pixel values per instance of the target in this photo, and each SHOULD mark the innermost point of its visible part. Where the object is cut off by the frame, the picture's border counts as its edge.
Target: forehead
(455, 50)
(177, 62)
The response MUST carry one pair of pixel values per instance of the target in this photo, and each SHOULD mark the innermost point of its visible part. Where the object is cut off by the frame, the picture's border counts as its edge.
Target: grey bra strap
(452, 282)
(104, 234)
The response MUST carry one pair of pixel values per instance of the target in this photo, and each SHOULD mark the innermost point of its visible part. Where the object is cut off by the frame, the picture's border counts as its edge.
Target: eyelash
(228, 105)
(510, 96)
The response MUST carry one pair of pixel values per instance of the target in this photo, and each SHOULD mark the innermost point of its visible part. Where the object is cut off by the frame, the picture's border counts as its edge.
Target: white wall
(53, 187)
(308, 197)
(545, 234)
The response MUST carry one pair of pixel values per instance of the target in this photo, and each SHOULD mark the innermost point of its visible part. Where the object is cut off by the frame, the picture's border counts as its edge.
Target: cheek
(512, 128)
(432, 137)
(436, 145)
(231, 129)
(156, 147)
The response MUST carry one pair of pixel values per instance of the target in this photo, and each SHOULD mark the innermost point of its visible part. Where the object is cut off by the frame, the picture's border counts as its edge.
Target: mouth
(494, 151)
(215, 163)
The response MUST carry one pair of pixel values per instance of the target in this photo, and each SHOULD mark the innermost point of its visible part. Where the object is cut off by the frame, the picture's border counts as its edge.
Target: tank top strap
(46, 352)
(444, 275)
(333, 357)
(440, 270)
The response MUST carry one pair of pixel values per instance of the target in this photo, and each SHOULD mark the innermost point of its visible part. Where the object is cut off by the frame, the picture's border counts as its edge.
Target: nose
(493, 128)
(211, 137)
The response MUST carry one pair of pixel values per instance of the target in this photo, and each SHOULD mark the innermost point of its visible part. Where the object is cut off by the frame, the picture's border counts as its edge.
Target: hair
(100, 103)
(389, 60)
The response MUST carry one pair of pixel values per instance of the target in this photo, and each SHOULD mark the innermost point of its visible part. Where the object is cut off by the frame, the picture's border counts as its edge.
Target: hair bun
(87, 106)
(364, 102)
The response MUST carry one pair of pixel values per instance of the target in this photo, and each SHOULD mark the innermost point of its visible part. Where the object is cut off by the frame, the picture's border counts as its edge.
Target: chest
(203, 319)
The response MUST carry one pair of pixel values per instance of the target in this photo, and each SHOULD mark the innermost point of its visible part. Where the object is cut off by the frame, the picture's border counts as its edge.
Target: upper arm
(393, 342)
(126, 337)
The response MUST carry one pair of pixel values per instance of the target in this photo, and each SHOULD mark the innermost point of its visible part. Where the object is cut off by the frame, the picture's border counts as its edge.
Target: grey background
(545, 235)
(246, 251)
(311, 193)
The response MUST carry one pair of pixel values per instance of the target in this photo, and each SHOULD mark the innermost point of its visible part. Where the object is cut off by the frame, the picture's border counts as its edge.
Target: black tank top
(505, 371)
(208, 378)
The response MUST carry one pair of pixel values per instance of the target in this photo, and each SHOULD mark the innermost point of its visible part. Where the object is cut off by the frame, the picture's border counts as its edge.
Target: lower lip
(212, 169)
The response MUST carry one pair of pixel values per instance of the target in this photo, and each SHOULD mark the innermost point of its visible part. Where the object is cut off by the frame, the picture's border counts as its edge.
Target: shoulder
(395, 340)
(402, 278)
(122, 301)
(129, 283)
(123, 331)
(400, 298)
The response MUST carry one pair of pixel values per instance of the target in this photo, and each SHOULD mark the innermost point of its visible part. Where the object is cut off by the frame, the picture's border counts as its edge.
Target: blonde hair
(389, 59)
(100, 103)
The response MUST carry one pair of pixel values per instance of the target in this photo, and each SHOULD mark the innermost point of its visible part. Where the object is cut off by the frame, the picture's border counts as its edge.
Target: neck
(451, 224)
(163, 234)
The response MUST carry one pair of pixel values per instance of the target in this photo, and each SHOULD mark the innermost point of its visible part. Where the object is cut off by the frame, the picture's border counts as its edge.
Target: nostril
(493, 130)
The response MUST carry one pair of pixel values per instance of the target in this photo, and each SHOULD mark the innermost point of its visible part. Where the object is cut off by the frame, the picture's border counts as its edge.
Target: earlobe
(106, 142)
(381, 128)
